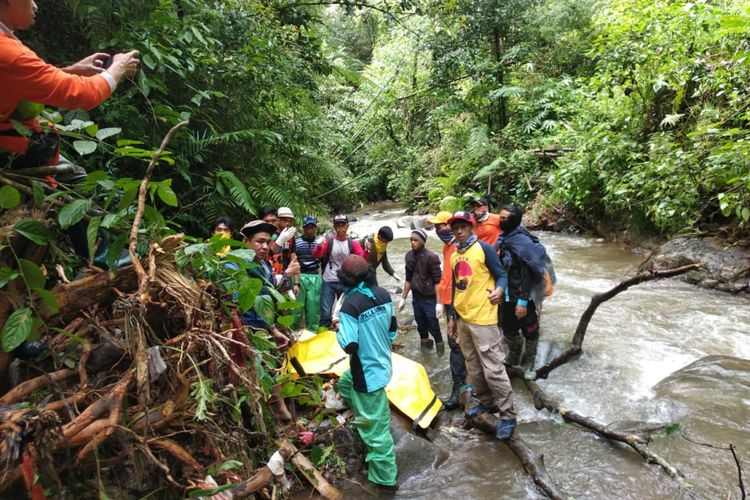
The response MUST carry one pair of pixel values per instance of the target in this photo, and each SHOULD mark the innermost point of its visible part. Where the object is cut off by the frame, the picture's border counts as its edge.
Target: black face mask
(512, 222)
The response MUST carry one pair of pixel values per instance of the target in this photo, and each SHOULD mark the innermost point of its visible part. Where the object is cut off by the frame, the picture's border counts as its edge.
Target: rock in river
(726, 268)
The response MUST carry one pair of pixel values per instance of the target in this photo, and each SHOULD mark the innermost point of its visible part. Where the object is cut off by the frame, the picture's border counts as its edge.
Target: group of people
(489, 286)
(489, 276)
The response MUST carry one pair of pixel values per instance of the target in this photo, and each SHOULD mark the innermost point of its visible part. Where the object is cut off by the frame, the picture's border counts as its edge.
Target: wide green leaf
(7, 275)
(91, 233)
(107, 132)
(17, 328)
(167, 195)
(31, 274)
(38, 192)
(48, 300)
(84, 147)
(285, 321)
(73, 212)
(246, 295)
(10, 197)
(33, 230)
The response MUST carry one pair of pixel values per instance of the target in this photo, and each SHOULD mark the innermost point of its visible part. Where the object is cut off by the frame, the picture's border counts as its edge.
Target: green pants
(309, 297)
(375, 430)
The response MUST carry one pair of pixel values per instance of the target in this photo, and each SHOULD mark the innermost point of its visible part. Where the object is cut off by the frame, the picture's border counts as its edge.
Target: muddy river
(660, 352)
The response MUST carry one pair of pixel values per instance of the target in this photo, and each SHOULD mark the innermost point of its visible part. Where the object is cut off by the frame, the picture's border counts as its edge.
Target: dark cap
(479, 200)
(340, 218)
(257, 226)
(309, 220)
(461, 216)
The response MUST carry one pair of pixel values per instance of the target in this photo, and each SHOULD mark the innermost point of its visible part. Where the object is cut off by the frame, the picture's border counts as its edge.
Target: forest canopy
(631, 115)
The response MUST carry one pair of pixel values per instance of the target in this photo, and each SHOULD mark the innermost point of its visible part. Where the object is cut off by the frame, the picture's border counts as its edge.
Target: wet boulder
(712, 392)
(404, 221)
(415, 221)
(414, 454)
(725, 268)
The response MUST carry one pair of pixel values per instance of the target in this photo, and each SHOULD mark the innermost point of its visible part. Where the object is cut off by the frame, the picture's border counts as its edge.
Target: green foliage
(9, 197)
(33, 230)
(17, 328)
(648, 100)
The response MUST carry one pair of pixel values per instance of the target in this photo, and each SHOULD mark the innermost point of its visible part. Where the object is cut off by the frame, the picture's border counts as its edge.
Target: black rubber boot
(515, 347)
(529, 358)
(440, 348)
(453, 402)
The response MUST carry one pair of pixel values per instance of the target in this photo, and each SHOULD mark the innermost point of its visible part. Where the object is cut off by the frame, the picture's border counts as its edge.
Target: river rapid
(646, 359)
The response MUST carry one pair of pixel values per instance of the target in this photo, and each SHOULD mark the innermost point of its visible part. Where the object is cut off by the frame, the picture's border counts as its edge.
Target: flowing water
(635, 348)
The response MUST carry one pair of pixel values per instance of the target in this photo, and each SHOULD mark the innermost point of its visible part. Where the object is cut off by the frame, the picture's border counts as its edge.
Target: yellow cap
(441, 218)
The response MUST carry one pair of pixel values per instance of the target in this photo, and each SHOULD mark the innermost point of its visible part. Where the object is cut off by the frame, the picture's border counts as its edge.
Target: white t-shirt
(339, 252)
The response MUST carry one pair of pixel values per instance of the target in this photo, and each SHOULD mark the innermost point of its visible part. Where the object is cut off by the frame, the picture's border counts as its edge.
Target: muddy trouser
(483, 352)
(457, 363)
(309, 297)
(427, 321)
(372, 409)
(516, 330)
(328, 294)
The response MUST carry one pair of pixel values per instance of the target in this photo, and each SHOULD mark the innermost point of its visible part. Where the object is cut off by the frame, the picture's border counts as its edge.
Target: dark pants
(528, 326)
(458, 365)
(328, 294)
(424, 315)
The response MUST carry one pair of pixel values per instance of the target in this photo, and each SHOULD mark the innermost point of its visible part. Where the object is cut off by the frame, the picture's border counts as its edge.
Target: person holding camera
(29, 83)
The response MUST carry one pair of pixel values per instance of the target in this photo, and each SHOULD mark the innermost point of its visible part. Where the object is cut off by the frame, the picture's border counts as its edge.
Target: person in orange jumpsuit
(29, 83)
(487, 227)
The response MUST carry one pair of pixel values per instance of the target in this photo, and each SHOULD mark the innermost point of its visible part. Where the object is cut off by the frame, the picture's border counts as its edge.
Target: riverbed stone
(414, 454)
(725, 267)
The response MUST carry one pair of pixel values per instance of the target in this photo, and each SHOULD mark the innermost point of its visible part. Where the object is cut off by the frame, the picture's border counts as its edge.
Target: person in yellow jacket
(445, 297)
(479, 282)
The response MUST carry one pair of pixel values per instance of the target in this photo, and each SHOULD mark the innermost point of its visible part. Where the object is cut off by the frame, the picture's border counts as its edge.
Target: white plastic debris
(156, 365)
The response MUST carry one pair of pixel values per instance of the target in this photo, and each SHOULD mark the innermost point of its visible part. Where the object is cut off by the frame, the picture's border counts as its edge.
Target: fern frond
(237, 190)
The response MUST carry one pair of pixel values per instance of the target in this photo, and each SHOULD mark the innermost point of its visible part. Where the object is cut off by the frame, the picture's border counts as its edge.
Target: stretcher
(409, 389)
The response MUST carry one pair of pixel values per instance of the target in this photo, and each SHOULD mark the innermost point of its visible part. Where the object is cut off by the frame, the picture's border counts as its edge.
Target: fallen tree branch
(635, 441)
(598, 299)
(733, 449)
(263, 477)
(532, 462)
(313, 475)
(24, 389)
(142, 192)
(98, 408)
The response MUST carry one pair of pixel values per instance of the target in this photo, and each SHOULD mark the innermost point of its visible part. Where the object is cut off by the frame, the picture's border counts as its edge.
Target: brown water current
(661, 352)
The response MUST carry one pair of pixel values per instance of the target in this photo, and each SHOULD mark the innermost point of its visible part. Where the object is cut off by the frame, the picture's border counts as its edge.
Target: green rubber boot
(529, 358)
(515, 346)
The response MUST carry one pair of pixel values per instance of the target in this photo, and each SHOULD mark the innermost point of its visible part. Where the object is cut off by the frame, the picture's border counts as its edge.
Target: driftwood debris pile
(130, 382)
(149, 383)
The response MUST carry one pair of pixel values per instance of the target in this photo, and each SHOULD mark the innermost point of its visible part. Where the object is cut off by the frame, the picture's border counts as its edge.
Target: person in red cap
(367, 326)
(479, 282)
(331, 253)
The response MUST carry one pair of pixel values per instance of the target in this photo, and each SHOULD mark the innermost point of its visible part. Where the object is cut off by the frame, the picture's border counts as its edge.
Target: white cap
(285, 212)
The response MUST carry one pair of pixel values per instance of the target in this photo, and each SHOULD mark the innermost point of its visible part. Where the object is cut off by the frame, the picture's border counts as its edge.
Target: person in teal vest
(367, 326)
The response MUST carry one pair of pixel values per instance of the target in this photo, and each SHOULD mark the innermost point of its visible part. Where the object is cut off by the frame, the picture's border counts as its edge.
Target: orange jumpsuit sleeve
(27, 77)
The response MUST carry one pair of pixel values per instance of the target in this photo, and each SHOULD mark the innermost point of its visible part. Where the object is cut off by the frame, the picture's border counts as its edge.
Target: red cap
(462, 216)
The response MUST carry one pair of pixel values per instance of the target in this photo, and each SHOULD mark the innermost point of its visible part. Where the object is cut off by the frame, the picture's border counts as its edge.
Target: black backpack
(329, 248)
